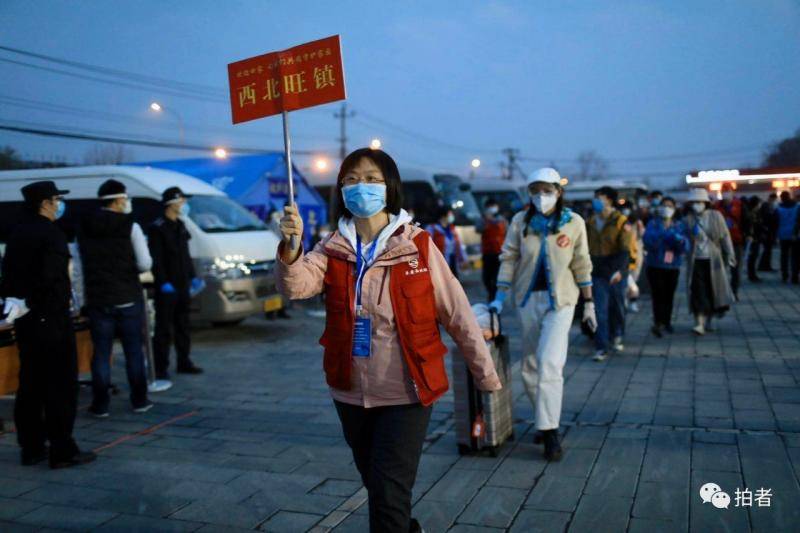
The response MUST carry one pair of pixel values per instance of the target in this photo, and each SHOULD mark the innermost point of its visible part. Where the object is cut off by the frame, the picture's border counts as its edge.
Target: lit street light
(475, 163)
(158, 108)
(221, 153)
(321, 164)
(375, 144)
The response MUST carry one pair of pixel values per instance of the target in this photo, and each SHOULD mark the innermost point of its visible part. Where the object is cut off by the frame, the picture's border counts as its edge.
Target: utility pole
(512, 154)
(343, 115)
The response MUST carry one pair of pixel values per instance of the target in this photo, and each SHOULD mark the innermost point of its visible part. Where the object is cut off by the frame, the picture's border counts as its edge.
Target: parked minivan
(232, 249)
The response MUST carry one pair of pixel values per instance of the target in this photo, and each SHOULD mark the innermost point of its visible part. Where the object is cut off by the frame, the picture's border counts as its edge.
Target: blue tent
(258, 182)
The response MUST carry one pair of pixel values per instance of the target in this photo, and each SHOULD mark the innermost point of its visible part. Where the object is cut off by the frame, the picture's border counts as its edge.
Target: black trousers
(663, 282)
(47, 397)
(766, 256)
(491, 267)
(752, 259)
(790, 260)
(738, 249)
(172, 319)
(387, 445)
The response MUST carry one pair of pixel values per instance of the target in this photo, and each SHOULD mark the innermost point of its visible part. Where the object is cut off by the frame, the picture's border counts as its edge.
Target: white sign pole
(287, 151)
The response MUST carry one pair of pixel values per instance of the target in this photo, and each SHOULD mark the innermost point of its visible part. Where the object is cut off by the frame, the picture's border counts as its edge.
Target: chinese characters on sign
(304, 76)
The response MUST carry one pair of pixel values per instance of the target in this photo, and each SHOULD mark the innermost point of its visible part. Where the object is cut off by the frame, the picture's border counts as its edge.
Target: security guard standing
(175, 282)
(37, 290)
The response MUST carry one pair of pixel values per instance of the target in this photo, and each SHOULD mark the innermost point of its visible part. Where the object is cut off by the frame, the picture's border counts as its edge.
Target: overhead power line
(119, 117)
(144, 78)
(141, 142)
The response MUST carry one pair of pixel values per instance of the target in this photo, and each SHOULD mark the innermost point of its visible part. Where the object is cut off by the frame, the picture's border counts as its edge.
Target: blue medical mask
(598, 205)
(60, 208)
(185, 209)
(364, 199)
(656, 202)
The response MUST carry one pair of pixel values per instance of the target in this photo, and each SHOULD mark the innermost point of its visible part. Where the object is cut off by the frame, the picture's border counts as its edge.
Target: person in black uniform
(174, 277)
(37, 289)
(113, 252)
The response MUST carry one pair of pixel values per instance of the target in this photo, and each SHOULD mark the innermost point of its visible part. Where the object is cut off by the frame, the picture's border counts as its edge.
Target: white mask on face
(667, 211)
(128, 207)
(698, 207)
(451, 218)
(492, 211)
(544, 202)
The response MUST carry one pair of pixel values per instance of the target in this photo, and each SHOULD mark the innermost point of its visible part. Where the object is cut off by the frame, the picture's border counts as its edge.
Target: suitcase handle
(495, 317)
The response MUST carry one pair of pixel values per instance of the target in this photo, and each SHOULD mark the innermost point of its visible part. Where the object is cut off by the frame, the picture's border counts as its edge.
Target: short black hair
(443, 211)
(773, 196)
(656, 193)
(387, 166)
(785, 196)
(608, 192)
(669, 199)
(489, 202)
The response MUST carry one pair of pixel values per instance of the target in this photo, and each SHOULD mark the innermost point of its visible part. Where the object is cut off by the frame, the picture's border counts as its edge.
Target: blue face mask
(185, 209)
(364, 199)
(598, 205)
(61, 207)
(656, 202)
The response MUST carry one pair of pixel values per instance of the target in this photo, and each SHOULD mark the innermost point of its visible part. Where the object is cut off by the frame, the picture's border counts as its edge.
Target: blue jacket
(658, 240)
(787, 220)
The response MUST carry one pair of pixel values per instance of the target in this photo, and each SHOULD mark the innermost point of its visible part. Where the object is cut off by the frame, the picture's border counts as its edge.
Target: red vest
(414, 306)
(494, 233)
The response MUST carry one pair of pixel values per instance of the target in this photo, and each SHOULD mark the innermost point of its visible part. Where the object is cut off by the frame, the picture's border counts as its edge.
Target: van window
(220, 214)
(509, 201)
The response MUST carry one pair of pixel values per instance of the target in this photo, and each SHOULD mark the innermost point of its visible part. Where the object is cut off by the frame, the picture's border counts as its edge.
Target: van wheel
(227, 323)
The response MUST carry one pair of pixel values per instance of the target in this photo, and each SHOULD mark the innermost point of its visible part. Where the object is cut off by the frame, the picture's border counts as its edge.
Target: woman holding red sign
(545, 262)
(388, 288)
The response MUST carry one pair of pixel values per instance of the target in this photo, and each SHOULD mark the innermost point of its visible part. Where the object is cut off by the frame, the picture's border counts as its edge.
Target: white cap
(546, 175)
(698, 194)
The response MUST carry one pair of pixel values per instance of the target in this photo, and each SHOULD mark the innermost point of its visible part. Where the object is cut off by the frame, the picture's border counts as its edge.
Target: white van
(232, 249)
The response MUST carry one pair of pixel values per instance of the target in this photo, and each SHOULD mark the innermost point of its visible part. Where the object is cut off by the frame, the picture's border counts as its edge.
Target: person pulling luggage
(387, 288)
(545, 264)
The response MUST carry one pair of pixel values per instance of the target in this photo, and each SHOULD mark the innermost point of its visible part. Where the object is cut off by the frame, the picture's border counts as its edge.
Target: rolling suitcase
(483, 420)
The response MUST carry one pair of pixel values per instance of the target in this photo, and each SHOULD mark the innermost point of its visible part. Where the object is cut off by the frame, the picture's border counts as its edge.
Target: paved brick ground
(255, 443)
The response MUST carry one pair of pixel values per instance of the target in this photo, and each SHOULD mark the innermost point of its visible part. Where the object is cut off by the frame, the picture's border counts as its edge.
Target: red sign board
(304, 76)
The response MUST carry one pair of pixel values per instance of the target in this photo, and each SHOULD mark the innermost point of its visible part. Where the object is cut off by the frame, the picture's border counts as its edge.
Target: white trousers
(545, 338)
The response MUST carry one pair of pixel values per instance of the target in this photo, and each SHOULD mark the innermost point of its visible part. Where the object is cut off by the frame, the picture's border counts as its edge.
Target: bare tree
(107, 154)
(591, 166)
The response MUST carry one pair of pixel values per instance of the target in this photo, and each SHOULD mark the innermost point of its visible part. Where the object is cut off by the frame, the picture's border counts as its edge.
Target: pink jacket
(383, 378)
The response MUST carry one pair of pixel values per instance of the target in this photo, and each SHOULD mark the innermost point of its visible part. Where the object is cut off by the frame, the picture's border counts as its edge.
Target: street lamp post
(158, 108)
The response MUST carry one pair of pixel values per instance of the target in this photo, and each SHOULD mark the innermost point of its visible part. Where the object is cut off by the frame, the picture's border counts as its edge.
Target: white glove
(589, 316)
(732, 262)
(14, 308)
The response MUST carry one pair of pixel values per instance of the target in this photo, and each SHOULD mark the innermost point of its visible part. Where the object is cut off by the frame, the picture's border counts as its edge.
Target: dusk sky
(439, 83)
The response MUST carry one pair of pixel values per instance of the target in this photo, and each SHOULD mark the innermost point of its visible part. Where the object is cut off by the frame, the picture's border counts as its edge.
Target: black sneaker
(80, 458)
(669, 329)
(98, 413)
(656, 330)
(538, 437)
(415, 527)
(34, 457)
(190, 369)
(552, 447)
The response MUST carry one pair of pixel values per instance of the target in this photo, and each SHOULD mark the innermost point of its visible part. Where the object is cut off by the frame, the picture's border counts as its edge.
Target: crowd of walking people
(388, 285)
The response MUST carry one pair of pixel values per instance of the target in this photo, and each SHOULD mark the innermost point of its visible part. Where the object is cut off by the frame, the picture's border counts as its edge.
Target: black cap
(41, 190)
(111, 189)
(172, 194)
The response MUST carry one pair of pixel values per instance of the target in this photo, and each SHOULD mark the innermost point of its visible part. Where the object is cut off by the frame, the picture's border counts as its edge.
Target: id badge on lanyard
(362, 329)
